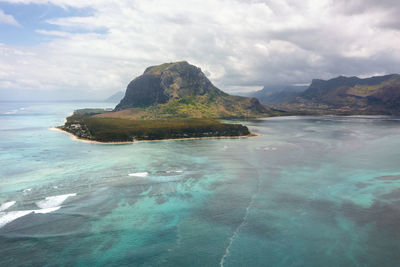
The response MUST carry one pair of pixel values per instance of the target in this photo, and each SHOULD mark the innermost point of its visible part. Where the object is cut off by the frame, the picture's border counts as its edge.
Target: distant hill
(350, 95)
(115, 97)
(271, 95)
(182, 90)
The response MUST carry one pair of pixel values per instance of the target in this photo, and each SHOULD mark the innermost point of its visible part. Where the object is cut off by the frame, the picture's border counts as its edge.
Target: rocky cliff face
(183, 90)
(160, 84)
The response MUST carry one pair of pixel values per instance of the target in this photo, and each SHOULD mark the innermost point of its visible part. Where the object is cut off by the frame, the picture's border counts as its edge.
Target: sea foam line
(243, 223)
(7, 217)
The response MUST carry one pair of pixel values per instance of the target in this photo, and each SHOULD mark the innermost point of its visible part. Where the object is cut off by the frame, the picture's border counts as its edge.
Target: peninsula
(169, 101)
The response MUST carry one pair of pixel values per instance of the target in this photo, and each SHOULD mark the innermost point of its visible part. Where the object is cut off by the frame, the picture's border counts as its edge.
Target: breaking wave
(53, 201)
(139, 174)
(6, 205)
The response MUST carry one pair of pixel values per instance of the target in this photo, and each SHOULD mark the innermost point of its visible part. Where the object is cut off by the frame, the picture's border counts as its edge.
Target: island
(169, 101)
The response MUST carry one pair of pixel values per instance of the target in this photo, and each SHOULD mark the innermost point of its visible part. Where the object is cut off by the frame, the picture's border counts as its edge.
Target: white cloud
(7, 19)
(238, 43)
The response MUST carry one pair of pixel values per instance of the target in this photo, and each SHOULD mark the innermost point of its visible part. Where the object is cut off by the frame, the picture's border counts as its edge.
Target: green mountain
(182, 90)
(349, 95)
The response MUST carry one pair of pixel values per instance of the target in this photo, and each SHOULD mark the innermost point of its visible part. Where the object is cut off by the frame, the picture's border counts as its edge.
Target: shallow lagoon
(311, 191)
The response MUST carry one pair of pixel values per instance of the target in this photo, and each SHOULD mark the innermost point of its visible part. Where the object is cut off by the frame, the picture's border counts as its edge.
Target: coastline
(74, 137)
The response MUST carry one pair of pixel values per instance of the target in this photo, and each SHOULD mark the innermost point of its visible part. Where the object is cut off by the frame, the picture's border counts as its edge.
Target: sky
(76, 49)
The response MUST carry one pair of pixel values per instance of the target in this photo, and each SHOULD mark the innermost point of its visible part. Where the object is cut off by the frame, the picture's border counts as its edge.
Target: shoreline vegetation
(74, 137)
(86, 125)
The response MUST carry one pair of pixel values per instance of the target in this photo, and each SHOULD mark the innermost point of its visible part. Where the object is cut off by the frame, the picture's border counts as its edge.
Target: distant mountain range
(277, 94)
(116, 98)
(346, 96)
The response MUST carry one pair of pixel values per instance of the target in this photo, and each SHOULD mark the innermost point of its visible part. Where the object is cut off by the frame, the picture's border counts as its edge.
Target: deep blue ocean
(311, 191)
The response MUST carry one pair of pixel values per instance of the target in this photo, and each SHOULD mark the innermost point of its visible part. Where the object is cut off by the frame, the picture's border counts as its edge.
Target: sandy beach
(160, 140)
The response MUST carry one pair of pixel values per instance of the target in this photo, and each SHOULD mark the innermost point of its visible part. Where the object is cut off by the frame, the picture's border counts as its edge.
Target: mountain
(115, 97)
(349, 95)
(180, 89)
(271, 95)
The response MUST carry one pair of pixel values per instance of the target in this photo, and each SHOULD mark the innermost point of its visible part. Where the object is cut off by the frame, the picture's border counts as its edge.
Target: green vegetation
(206, 106)
(86, 126)
(363, 90)
(189, 107)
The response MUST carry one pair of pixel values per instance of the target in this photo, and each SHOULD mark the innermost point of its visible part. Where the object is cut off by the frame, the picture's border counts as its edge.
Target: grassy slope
(194, 107)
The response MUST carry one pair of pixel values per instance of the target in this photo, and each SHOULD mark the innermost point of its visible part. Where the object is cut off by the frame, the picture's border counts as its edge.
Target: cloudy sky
(75, 49)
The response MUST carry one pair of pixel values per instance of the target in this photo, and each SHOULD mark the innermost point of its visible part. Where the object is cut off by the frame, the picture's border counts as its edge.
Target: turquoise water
(311, 191)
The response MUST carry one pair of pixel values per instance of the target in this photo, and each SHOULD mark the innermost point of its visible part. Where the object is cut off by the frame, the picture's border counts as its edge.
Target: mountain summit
(160, 84)
(182, 90)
